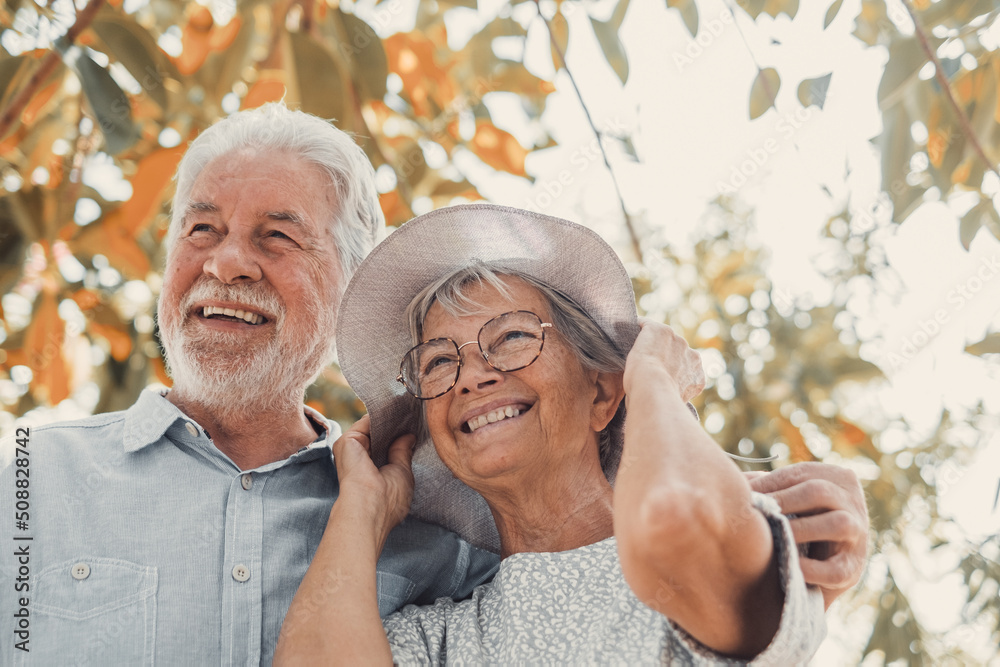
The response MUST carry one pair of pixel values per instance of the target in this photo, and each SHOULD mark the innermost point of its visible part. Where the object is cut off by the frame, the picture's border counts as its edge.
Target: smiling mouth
(492, 417)
(232, 315)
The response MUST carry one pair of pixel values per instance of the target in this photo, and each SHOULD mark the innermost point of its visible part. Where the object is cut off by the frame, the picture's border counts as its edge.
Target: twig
(636, 247)
(963, 120)
(83, 19)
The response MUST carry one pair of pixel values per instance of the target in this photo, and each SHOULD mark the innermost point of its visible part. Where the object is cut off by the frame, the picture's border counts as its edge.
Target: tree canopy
(102, 92)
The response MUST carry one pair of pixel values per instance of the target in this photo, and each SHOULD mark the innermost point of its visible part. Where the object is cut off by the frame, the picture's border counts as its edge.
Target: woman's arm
(334, 616)
(691, 543)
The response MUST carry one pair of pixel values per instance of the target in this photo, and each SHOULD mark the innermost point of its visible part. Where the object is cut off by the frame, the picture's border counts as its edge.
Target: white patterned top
(575, 607)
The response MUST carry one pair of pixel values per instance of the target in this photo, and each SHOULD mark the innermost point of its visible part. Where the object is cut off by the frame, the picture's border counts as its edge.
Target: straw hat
(373, 334)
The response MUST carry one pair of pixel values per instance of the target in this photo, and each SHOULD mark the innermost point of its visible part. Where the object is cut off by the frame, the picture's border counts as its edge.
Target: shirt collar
(152, 415)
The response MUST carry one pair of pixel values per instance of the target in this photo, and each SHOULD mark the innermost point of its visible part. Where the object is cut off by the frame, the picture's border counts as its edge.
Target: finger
(837, 573)
(401, 451)
(811, 497)
(753, 476)
(360, 432)
(838, 526)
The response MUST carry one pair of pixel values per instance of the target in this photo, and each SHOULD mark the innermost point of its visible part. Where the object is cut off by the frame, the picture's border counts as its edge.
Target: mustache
(256, 295)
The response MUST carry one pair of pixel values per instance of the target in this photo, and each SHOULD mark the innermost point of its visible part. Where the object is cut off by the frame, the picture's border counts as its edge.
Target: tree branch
(636, 247)
(83, 19)
(963, 120)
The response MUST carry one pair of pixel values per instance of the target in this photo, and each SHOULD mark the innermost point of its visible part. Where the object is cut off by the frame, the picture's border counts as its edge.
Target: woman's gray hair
(588, 342)
(357, 220)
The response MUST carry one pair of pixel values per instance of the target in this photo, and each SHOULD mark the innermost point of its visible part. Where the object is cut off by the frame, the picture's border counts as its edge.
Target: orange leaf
(498, 148)
(393, 208)
(148, 190)
(117, 244)
(38, 102)
(161, 372)
(798, 451)
(43, 344)
(937, 144)
(121, 342)
(962, 171)
(86, 299)
(270, 87)
(196, 40)
(223, 36)
(412, 57)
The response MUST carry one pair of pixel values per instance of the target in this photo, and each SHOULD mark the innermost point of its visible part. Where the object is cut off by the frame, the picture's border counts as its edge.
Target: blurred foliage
(117, 89)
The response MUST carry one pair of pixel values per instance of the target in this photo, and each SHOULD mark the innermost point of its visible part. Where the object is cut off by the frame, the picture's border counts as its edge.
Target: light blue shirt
(148, 545)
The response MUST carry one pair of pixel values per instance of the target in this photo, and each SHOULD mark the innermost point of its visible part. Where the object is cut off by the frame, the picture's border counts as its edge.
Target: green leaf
(365, 56)
(132, 46)
(11, 70)
(607, 36)
(988, 345)
(110, 105)
(831, 13)
(321, 87)
(689, 14)
(764, 91)
(906, 57)
(813, 91)
(983, 214)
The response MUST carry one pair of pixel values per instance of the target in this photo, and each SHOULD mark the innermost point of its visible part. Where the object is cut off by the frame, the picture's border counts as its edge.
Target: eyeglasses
(508, 342)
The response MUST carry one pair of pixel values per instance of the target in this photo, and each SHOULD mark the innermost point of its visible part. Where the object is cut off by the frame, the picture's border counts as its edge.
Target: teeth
(492, 417)
(245, 315)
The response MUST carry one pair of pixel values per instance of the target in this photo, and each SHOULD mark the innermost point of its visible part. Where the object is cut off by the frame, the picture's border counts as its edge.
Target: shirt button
(192, 429)
(247, 481)
(241, 573)
(80, 571)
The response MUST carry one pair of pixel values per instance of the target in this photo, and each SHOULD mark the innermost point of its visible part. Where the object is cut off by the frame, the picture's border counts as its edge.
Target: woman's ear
(610, 392)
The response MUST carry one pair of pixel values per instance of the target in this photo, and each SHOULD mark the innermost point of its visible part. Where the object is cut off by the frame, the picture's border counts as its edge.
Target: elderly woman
(625, 541)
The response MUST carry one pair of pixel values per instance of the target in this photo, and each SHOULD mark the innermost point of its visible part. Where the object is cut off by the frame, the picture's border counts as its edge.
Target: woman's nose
(476, 372)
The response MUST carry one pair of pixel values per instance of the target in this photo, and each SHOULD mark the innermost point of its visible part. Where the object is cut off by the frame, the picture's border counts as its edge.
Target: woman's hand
(659, 350)
(334, 618)
(382, 495)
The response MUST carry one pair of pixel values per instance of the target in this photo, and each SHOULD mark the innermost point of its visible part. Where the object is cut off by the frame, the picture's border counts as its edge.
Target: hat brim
(373, 334)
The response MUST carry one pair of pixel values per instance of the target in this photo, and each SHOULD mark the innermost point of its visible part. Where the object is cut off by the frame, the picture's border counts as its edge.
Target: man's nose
(233, 261)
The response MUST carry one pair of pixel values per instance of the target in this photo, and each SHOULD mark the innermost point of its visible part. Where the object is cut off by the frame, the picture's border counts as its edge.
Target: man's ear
(609, 394)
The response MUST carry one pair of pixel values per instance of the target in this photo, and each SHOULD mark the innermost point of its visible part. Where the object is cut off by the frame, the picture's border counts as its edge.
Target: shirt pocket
(92, 611)
(394, 591)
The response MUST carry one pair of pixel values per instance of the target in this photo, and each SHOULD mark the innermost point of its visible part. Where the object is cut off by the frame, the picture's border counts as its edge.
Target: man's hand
(830, 516)
(387, 491)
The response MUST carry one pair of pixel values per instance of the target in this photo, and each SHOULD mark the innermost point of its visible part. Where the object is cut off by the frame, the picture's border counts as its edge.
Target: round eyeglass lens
(431, 368)
(512, 340)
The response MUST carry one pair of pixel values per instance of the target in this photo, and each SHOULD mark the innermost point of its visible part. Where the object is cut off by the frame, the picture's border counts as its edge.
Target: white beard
(218, 370)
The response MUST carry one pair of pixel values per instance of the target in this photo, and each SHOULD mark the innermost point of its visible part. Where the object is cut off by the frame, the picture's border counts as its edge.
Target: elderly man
(177, 531)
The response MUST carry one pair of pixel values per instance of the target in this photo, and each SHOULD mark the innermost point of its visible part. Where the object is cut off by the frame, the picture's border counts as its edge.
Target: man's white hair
(358, 219)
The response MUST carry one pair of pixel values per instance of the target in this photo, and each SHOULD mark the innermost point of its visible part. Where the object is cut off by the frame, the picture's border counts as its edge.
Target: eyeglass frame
(486, 357)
